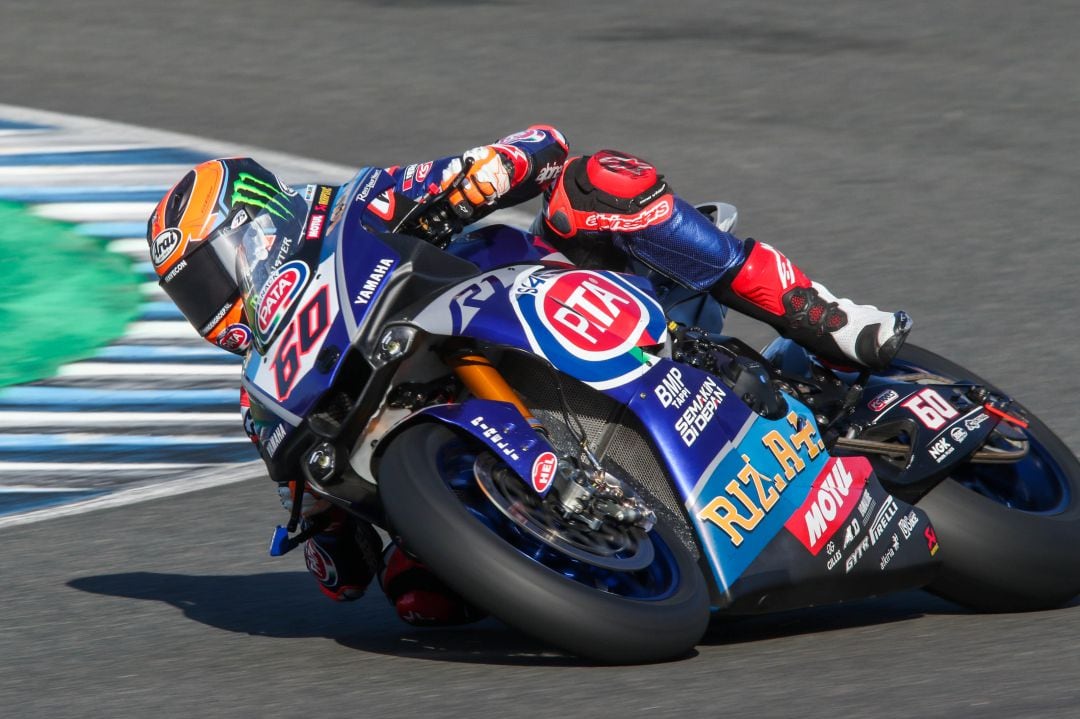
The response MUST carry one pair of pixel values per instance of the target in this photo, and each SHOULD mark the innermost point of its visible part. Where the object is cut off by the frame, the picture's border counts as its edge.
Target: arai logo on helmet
(165, 245)
(235, 338)
(278, 295)
(543, 470)
(590, 315)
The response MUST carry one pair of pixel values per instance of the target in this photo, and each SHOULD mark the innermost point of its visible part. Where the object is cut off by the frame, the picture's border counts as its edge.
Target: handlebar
(437, 218)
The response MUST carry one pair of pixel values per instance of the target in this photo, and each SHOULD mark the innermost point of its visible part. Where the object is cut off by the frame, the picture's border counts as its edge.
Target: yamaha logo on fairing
(371, 285)
(165, 245)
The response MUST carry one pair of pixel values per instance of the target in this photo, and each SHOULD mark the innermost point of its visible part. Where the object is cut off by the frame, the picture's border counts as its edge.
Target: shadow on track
(891, 609)
(285, 605)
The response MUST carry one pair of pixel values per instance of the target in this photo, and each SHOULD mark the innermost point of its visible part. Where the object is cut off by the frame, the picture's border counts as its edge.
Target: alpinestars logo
(251, 190)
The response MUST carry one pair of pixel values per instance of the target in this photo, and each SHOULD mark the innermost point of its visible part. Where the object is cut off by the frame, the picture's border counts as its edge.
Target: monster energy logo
(250, 189)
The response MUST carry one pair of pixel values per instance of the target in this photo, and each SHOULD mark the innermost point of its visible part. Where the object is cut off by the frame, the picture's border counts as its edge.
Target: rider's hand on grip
(487, 179)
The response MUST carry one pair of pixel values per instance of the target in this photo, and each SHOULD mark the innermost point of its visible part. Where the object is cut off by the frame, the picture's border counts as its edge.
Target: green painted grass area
(61, 295)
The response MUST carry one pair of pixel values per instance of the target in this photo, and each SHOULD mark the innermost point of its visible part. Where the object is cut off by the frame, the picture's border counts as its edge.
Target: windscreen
(270, 277)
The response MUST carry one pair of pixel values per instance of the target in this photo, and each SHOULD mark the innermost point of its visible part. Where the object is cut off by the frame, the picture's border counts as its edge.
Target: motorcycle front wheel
(429, 491)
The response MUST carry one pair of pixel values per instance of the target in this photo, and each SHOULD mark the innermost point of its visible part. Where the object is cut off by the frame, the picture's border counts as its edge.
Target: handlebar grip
(460, 206)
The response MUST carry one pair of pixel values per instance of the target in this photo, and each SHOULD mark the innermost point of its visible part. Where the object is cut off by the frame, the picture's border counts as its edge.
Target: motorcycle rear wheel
(655, 614)
(1009, 534)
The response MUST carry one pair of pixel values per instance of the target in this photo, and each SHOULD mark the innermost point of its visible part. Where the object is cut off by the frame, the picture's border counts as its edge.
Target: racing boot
(768, 287)
(344, 555)
(420, 598)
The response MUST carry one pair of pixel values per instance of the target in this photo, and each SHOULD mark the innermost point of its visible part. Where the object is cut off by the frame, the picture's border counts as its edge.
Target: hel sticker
(590, 315)
(543, 470)
(165, 246)
(278, 295)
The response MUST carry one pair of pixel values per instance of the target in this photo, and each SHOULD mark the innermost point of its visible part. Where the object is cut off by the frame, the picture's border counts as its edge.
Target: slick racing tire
(1009, 533)
(422, 483)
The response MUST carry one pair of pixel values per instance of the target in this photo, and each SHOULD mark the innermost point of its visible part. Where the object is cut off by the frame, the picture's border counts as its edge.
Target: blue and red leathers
(610, 210)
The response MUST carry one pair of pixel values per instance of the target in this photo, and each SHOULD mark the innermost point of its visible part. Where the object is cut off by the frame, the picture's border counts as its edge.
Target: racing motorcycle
(548, 443)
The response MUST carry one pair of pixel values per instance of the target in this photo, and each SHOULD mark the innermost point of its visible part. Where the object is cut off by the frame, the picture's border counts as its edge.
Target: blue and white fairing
(744, 479)
(332, 281)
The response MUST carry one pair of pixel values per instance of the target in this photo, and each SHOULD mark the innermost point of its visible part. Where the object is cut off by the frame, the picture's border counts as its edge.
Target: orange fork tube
(485, 382)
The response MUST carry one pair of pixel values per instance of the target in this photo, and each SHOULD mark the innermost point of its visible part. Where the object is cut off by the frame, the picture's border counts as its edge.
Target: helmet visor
(203, 284)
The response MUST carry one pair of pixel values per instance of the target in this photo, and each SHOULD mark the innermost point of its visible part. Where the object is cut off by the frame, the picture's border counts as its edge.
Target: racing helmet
(194, 234)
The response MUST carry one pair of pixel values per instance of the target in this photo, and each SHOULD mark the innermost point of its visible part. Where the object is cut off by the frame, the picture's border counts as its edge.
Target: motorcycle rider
(609, 209)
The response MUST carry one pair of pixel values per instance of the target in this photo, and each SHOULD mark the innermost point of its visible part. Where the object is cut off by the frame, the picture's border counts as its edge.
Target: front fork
(484, 381)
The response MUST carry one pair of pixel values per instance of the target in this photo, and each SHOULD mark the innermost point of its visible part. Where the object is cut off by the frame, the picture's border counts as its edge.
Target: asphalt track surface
(922, 155)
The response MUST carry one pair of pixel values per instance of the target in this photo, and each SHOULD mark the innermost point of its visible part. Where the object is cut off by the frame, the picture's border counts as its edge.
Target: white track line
(94, 468)
(60, 440)
(58, 175)
(218, 478)
(95, 212)
(116, 419)
(135, 247)
(9, 488)
(147, 369)
(159, 330)
(60, 145)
